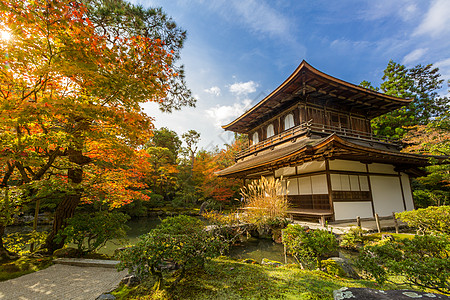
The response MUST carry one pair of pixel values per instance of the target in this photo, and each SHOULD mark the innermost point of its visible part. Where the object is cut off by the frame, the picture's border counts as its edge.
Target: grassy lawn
(22, 266)
(224, 278)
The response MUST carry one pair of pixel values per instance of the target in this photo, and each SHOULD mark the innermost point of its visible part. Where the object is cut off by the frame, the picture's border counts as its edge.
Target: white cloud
(414, 56)
(261, 17)
(222, 114)
(214, 90)
(436, 20)
(243, 88)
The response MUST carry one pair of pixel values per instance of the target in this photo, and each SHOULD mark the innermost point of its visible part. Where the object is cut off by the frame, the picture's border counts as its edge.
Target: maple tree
(72, 78)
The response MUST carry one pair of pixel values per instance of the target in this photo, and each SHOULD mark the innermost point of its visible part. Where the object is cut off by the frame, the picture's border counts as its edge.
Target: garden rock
(66, 252)
(371, 294)
(130, 280)
(386, 236)
(250, 261)
(346, 267)
(274, 263)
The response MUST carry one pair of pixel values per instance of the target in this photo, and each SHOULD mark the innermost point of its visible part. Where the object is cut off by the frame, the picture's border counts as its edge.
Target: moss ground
(224, 278)
(22, 266)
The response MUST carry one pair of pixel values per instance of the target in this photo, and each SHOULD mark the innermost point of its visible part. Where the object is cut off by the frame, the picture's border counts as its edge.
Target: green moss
(224, 278)
(22, 266)
(397, 236)
(333, 268)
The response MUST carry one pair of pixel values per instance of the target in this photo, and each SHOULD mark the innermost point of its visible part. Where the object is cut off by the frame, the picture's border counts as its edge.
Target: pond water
(256, 249)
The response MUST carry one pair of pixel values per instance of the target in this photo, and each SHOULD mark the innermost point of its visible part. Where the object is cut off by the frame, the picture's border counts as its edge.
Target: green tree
(419, 83)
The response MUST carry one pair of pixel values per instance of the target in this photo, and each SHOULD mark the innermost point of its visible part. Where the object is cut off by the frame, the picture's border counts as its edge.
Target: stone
(130, 280)
(386, 236)
(346, 267)
(66, 252)
(274, 263)
(106, 297)
(249, 261)
(372, 294)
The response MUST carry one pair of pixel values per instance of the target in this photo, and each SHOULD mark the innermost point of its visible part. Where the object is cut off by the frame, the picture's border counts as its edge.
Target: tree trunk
(64, 211)
(66, 208)
(4, 254)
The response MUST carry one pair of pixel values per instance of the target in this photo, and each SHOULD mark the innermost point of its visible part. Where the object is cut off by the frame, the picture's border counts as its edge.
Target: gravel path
(62, 282)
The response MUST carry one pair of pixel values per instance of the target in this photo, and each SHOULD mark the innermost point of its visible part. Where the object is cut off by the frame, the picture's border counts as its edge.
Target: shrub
(422, 261)
(353, 238)
(179, 240)
(265, 200)
(308, 246)
(433, 219)
(19, 242)
(91, 231)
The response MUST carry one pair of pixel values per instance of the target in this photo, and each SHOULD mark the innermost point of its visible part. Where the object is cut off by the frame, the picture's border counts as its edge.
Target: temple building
(314, 131)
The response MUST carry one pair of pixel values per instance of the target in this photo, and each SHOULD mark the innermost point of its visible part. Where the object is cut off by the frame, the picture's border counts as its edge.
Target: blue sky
(238, 51)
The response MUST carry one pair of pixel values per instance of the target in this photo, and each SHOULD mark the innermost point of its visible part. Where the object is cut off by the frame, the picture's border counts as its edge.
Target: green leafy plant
(308, 246)
(353, 238)
(179, 241)
(91, 231)
(422, 261)
(433, 219)
(19, 242)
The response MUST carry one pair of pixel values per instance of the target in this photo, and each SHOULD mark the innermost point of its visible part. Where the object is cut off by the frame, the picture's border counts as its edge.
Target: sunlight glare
(5, 35)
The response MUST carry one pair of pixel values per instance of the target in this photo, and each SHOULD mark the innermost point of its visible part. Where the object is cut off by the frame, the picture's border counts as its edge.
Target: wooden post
(377, 220)
(358, 221)
(395, 222)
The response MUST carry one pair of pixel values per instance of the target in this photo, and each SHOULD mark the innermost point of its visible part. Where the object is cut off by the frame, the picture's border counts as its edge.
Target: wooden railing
(312, 127)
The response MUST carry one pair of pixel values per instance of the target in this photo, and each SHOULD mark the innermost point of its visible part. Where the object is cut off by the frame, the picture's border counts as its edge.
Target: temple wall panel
(304, 185)
(347, 165)
(292, 186)
(381, 168)
(407, 192)
(286, 171)
(319, 184)
(387, 195)
(312, 166)
(349, 210)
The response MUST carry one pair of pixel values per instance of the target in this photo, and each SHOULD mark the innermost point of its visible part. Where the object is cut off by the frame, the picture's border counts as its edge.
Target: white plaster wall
(319, 184)
(387, 195)
(312, 166)
(285, 171)
(350, 210)
(407, 192)
(292, 186)
(347, 165)
(381, 168)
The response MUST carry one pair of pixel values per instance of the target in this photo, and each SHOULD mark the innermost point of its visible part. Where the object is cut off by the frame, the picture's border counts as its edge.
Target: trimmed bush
(423, 261)
(308, 246)
(433, 219)
(178, 242)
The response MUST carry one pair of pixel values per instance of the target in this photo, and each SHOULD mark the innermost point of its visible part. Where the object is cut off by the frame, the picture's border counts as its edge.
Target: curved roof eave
(304, 65)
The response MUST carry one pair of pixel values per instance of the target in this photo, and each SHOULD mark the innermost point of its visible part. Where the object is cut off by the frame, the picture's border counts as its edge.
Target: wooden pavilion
(314, 130)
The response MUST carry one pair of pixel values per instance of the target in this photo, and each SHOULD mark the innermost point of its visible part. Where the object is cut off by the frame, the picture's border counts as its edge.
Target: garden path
(62, 282)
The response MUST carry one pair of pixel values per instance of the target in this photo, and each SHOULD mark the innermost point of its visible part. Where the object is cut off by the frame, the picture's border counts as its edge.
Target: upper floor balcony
(309, 127)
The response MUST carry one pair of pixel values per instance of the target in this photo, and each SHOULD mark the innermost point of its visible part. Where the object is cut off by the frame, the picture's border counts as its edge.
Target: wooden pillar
(370, 189)
(395, 222)
(330, 195)
(401, 188)
(377, 220)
